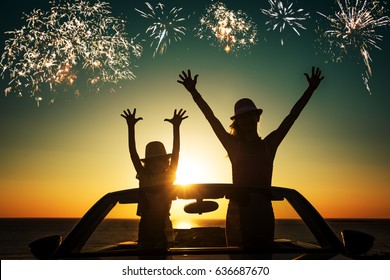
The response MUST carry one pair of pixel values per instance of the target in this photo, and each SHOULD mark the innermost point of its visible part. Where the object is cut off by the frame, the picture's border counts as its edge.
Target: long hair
(235, 129)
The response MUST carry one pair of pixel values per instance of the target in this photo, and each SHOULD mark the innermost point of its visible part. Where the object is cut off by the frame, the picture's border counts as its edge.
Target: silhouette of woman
(155, 170)
(250, 222)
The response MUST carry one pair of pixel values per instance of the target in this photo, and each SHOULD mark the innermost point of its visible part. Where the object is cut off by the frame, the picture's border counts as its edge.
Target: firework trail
(231, 30)
(165, 27)
(282, 15)
(352, 31)
(74, 43)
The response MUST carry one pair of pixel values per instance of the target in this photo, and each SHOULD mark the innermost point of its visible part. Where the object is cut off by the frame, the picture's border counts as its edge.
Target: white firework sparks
(283, 15)
(165, 27)
(353, 30)
(75, 43)
(232, 30)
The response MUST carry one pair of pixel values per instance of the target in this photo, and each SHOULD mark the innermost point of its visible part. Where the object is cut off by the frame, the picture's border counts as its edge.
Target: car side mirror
(200, 207)
(357, 242)
(45, 247)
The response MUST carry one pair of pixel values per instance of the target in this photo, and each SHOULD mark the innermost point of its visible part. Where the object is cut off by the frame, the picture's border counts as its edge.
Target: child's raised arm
(176, 120)
(131, 121)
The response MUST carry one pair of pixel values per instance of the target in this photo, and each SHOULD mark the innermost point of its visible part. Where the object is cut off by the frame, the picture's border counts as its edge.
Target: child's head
(156, 158)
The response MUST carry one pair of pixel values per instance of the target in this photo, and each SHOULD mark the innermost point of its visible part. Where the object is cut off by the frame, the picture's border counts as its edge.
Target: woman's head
(245, 119)
(243, 106)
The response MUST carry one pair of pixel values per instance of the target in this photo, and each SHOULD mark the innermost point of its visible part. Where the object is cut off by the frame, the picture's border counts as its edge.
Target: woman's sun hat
(155, 149)
(243, 106)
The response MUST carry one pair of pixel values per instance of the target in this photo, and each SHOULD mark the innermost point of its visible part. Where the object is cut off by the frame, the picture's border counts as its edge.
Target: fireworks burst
(282, 15)
(353, 30)
(73, 43)
(165, 27)
(232, 30)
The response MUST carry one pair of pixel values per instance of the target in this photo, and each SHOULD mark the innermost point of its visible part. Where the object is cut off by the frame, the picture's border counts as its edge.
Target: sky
(57, 159)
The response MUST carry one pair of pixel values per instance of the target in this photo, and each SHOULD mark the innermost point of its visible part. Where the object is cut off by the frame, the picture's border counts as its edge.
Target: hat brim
(259, 111)
(154, 157)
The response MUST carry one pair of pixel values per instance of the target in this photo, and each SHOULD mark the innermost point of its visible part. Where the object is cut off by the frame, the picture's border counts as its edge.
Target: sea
(17, 233)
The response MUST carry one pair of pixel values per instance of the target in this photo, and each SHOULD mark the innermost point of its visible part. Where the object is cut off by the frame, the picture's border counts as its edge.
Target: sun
(188, 172)
(193, 168)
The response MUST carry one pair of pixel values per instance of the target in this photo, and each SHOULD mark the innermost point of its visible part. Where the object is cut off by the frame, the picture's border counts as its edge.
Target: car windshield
(119, 228)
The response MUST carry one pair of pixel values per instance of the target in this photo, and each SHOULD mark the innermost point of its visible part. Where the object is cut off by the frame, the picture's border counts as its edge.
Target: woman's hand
(188, 82)
(315, 79)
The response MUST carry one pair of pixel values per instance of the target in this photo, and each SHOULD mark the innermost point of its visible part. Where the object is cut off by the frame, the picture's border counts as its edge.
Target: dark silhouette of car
(305, 236)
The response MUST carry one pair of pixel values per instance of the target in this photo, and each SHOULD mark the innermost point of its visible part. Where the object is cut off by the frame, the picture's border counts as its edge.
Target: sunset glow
(59, 158)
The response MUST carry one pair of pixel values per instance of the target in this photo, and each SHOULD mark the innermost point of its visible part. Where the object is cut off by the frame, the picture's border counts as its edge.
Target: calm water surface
(16, 234)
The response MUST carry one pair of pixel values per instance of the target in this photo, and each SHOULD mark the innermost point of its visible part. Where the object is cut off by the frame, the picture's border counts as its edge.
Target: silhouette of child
(156, 174)
(250, 221)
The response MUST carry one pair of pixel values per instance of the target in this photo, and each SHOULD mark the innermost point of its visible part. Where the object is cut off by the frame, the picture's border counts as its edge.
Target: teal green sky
(57, 160)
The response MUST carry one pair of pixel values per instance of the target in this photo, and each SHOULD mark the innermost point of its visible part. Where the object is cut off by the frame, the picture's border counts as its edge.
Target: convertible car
(300, 231)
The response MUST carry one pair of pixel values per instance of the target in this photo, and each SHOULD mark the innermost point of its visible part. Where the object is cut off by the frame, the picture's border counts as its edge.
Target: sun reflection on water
(180, 224)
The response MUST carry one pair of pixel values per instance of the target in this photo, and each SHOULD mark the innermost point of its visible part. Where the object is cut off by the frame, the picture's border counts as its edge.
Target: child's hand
(130, 117)
(177, 117)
